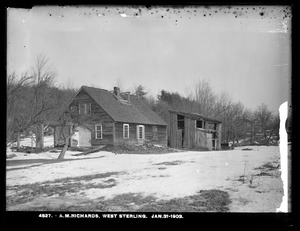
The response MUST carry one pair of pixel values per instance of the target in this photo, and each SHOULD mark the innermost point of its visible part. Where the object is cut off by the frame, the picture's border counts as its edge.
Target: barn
(194, 131)
(112, 117)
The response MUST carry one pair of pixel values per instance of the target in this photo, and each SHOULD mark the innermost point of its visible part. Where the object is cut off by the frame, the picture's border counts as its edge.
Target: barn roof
(196, 116)
(136, 111)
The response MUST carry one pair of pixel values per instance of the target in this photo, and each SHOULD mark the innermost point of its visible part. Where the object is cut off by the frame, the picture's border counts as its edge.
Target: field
(246, 179)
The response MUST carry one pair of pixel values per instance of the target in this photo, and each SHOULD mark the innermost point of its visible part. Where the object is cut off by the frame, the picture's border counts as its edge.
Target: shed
(194, 131)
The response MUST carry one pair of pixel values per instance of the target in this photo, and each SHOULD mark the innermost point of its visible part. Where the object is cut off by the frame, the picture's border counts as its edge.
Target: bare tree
(273, 129)
(233, 126)
(238, 124)
(119, 84)
(223, 110)
(41, 102)
(68, 122)
(263, 116)
(249, 119)
(69, 85)
(16, 106)
(203, 94)
(223, 103)
(33, 101)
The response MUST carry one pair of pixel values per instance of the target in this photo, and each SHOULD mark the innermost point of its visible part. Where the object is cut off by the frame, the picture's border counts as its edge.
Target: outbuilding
(194, 131)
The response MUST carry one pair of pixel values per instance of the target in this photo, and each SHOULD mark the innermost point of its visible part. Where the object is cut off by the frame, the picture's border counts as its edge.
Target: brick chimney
(117, 91)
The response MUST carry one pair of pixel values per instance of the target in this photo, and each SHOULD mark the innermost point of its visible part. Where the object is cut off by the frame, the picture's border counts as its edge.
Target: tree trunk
(31, 138)
(40, 136)
(18, 141)
(265, 137)
(227, 137)
(55, 137)
(268, 140)
(88, 151)
(251, 134)
(63, 152)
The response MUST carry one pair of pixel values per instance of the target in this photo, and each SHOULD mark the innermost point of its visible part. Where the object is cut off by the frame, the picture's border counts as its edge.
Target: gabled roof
(136, 111)
(196, 116)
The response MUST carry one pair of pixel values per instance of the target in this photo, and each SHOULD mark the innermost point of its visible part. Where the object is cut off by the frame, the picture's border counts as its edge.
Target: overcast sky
(243, 50)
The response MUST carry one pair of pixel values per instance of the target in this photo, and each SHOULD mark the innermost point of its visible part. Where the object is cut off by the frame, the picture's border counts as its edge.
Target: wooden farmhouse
(194, 131)
(112, 117)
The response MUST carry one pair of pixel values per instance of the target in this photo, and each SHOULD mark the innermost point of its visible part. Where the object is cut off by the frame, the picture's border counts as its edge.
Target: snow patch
(152, 174)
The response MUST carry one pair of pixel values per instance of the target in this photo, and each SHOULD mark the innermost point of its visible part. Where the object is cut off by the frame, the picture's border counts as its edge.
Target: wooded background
(34, 99)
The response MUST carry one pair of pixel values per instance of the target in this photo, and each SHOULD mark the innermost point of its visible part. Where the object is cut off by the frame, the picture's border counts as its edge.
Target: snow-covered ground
(164, 176)
(48, 141)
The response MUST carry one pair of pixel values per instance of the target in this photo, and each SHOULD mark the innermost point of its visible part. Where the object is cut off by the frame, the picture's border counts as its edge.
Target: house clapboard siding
(97, 116)
(153, 134)
(162, 135)
(156, 134)
(112, 110)
(119, 134)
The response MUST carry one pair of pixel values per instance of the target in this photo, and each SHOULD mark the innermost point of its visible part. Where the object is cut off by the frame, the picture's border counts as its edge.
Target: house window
(199, 124)
(98, 131)
(81, 108)
(88, 108)
(140, 132)
(126, 131)
(212, 126)
(85, 108)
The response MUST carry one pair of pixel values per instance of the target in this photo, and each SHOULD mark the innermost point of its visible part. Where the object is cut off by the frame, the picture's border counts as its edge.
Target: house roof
(195, 116)
(136, 111)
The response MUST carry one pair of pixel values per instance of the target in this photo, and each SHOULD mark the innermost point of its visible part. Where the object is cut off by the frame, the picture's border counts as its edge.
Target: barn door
(179, 138)
(209, 141)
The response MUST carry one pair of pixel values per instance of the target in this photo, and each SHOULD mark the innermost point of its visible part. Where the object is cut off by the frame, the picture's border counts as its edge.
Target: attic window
(88, 108)
(85, 108)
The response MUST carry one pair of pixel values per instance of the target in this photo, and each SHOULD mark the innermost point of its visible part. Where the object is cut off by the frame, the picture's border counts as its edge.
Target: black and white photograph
(135, 110)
